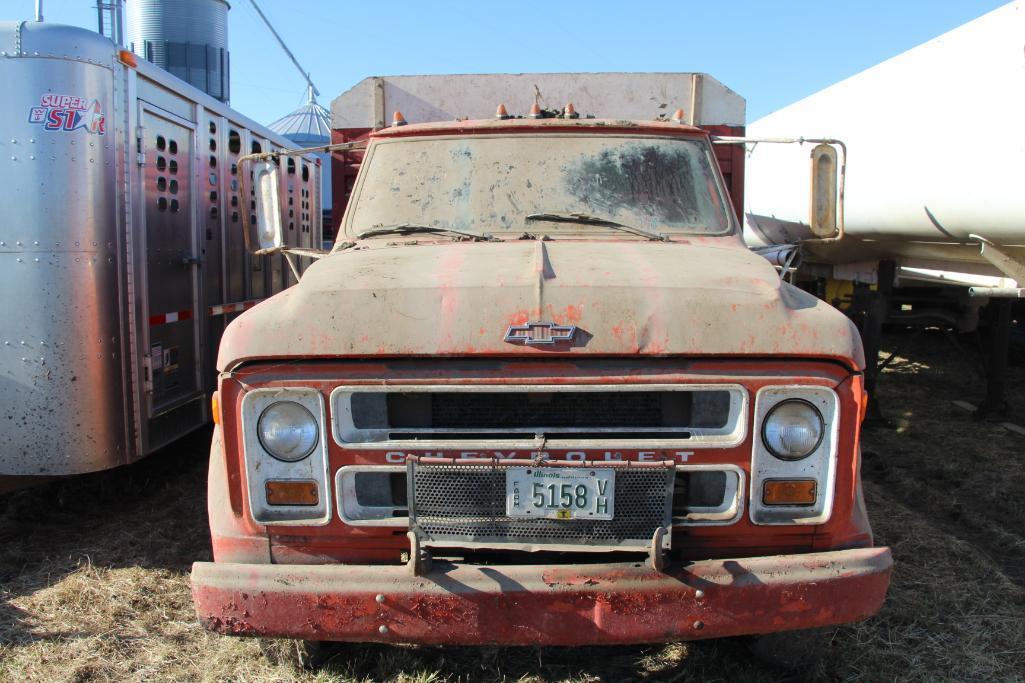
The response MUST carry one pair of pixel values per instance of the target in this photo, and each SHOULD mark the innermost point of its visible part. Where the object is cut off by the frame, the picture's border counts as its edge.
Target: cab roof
(545, 125)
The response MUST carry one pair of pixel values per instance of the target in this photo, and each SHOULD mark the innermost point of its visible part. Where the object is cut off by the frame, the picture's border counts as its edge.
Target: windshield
(537, 183)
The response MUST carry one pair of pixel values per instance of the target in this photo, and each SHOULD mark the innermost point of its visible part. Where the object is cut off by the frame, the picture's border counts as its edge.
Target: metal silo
(310, 126)
(188, 38)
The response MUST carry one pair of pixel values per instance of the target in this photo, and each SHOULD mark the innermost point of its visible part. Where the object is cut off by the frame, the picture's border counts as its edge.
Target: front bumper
(542, 604)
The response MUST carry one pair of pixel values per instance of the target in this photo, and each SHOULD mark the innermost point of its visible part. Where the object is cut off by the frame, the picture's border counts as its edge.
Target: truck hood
(708, 297)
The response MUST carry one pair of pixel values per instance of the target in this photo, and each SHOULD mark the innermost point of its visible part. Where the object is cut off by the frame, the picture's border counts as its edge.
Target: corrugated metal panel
(184, 21)
(189, 38)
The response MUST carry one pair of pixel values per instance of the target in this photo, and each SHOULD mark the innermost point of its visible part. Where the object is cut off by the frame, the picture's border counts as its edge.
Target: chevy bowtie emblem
(540, 333)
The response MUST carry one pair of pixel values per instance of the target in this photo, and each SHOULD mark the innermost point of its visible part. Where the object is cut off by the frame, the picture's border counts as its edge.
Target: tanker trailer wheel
(791, 649)
(299, 654)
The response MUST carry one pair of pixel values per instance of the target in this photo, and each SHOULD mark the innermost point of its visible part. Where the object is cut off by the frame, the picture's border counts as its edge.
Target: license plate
(560, 492)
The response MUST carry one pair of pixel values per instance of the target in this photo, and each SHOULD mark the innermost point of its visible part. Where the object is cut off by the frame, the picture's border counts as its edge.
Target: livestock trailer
(122, 248)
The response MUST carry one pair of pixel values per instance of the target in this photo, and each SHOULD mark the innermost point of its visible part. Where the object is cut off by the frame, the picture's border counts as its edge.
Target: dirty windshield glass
(505, 184)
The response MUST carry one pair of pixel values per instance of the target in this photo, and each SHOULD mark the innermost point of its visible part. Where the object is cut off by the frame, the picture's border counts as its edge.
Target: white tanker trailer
(936, 142)
(122, 250)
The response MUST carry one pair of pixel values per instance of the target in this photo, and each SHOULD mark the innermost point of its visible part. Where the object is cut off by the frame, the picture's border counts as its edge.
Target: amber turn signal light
(292, 492)
(215, 407)
(789, 492)
(127, 57)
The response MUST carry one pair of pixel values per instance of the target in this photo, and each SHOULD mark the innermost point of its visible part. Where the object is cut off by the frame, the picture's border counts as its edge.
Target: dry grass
(94, 577)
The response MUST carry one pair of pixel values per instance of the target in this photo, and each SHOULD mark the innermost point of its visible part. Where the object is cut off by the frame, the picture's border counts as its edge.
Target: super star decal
(67, 113)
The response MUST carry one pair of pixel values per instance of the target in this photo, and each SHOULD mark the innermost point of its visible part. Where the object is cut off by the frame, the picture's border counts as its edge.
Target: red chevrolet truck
(538, 393)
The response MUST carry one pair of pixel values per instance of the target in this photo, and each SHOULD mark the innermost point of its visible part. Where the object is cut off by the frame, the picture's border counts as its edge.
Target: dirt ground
(94, 571)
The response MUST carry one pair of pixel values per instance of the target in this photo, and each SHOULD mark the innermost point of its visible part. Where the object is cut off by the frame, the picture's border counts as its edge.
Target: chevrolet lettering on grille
(540, 333)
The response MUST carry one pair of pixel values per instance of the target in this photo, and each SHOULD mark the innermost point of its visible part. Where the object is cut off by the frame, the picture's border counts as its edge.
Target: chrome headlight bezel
(815, 413)
(820, 465)
(262, 466)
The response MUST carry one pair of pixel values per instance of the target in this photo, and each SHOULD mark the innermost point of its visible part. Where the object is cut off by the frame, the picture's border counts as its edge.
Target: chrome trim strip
(733, 434)
(732, 508)
(345, 497)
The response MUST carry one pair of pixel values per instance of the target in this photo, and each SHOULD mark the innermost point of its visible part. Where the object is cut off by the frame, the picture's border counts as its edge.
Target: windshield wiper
(410, 228)
(591, 219)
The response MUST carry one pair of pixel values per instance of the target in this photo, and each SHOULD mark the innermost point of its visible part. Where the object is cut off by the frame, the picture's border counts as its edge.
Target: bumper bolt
(698, 625)
(382, 629)
(699, 594)
(380, 599)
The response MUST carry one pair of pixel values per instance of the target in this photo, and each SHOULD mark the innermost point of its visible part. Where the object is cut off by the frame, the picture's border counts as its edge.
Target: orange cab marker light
(789, 492)
(501, 112)
(535, 111)
(678, 116)
(398, 119)
(291, 492)
(128, 58)
(570, 112)
(215, 407)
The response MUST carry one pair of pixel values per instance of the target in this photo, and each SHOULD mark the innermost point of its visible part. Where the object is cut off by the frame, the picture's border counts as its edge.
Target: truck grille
(518, 413)
(454, 504)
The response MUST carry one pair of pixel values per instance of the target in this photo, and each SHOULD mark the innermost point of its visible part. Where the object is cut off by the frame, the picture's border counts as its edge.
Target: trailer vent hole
(172, 167)
(213, 195)
(213, 127)
(213, 145)
(213, 212)
(291, 166)
(162, 204)
(213, 161)
(161, 143)
(174, 187)
(234, 142)
(174, 206)
(161, 163)
(161, 183)
(172, 147)
(306, 173)
(234, 216)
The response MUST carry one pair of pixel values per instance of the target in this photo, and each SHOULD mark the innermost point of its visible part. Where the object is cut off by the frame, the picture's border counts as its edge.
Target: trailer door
(171, 263)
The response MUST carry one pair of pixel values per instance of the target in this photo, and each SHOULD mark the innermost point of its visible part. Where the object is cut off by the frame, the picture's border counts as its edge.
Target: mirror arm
(298, 251)
(736, 140)
(291, 264)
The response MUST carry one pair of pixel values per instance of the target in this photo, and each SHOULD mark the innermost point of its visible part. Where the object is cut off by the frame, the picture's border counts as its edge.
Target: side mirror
(266, 183)
(823, 212)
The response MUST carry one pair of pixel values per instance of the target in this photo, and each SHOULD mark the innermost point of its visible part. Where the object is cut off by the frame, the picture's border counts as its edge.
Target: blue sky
(771, 53)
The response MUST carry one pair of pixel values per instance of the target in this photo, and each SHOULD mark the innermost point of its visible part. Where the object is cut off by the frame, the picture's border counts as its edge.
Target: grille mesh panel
(466, 504)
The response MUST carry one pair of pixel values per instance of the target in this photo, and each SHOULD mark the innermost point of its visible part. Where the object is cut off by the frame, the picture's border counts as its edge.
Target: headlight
(793, 429)
(288, 431)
